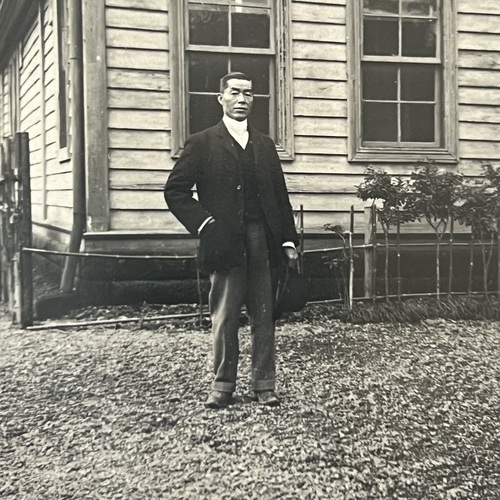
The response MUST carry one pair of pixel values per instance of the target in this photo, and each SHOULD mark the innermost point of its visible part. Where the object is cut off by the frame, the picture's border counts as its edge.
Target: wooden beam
(25, 231)
(96, 119)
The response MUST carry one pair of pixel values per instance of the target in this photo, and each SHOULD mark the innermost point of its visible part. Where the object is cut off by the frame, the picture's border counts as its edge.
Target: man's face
(237, 99)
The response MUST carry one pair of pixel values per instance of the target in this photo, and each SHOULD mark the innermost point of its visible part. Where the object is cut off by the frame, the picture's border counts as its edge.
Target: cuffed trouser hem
(224, 387)
(264, 385)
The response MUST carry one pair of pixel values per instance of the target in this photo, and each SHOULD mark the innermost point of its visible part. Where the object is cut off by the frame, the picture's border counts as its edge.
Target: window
(14, 93)
(403, 84)
(62, 55)
(220, 36)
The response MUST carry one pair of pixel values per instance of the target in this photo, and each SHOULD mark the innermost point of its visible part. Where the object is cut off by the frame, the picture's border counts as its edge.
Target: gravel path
(375, 411)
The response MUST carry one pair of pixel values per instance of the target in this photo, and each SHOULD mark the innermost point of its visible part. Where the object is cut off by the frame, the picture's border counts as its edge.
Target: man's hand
(291, 256)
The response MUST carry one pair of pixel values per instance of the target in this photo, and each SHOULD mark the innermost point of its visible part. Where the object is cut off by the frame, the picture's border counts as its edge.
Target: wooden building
(339, 85)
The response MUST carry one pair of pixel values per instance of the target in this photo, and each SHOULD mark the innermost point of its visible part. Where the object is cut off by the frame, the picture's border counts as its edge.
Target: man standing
(245, 222)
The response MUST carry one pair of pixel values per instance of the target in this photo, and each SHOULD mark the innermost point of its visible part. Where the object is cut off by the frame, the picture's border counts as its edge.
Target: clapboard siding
(139, 139)
(319, 53)
(133, 99)
(319, 177)
(51, 201)
(479, 41)
(31, 109)
(319, 12)
(137, 59)
(478, 23)
(136, 18)
(314, 221)
(134, 39)
(478, 78)
(154, 180)
(160, 5)
(480, 114)
(59, 178)
(139, 120)
(137, 79)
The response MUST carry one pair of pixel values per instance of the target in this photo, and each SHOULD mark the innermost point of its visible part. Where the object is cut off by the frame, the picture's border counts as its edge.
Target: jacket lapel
(226, 139)
(256, 141)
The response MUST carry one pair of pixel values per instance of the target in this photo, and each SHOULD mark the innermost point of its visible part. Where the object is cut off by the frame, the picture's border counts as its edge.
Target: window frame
(13, 70)
(280, 95)
(62, 76)
(446, 96)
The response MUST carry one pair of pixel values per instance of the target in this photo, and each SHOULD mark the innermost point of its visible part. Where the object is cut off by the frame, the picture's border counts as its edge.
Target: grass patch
(412, 310)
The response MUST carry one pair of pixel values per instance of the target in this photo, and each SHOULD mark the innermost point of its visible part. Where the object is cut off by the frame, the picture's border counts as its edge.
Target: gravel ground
(374, 411)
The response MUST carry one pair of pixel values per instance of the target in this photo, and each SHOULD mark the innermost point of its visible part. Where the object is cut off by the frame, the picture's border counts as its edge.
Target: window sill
(366, 155)
(283, 154)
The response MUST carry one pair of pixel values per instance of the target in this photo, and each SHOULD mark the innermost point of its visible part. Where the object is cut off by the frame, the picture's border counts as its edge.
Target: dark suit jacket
(210, 161)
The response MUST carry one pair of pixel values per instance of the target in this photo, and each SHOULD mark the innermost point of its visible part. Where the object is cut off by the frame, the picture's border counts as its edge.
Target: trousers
(250, 284)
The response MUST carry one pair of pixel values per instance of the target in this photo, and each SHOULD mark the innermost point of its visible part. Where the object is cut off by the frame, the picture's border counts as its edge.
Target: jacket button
(238, 187)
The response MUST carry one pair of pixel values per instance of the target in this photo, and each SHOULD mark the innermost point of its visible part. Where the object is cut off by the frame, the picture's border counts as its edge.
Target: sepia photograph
(250, 249)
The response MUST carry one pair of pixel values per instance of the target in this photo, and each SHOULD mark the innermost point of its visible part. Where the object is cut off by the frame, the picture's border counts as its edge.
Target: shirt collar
(234, 126)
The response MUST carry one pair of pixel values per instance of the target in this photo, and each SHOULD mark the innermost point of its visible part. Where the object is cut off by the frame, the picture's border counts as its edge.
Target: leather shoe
(218, 399)
(267, 398)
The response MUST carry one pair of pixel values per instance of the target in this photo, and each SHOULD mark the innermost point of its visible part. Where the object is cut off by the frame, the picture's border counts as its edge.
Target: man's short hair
(229, 76)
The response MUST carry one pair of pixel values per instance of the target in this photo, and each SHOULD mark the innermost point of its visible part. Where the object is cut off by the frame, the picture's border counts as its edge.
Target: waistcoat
(253, 206)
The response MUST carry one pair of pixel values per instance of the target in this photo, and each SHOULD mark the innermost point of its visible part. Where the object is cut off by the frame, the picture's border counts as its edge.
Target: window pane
(380, 82)
(380, 121)
(381, 6)
(417, 123)
(256, 67)
(419, 38)
(259, 118)
(208, 25)
(250, 28)
(204, 111)
(417, 82)
(420, 7)
(380, 38)
(206, 70)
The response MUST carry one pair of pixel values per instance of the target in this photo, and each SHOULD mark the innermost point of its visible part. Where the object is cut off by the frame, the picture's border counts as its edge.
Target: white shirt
(237, 129)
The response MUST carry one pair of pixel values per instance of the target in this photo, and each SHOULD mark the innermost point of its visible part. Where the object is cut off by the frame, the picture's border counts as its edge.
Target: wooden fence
(375, 270)
(16, 275)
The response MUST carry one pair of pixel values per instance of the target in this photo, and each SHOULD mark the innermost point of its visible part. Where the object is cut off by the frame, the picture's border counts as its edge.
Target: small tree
(340, 263)
(478, 207)
(434, 195)
(390, 196)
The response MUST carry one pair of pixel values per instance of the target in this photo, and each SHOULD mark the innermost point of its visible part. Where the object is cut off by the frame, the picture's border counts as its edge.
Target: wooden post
(8, 234)
(398, 250)
(3, 294)
(25, 230)
(301, 239)
(498, 258)
(450, 246)
(351, 272)
(370, 252)
(351, 258)
(301, 258)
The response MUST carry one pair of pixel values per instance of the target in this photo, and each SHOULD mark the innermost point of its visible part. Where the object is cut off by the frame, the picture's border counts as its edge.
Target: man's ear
(219, 98)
